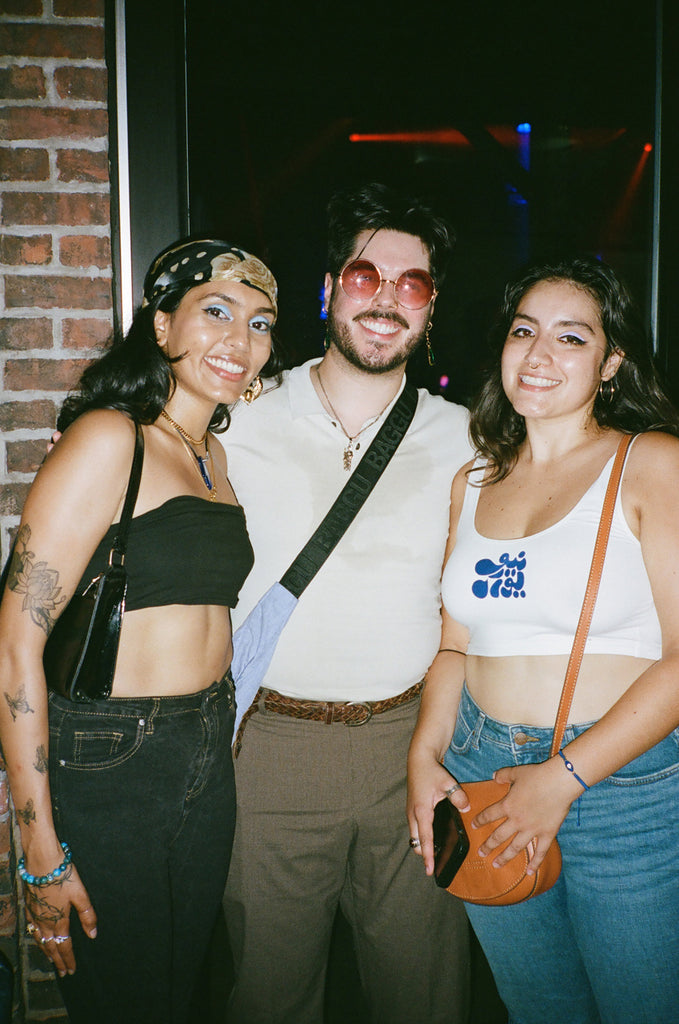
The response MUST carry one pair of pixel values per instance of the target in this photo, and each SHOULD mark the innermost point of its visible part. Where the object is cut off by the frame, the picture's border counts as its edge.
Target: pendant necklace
(352, 444)
(203, 463)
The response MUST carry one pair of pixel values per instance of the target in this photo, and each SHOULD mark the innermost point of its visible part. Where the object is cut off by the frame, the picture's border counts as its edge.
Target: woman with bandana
(126, 806)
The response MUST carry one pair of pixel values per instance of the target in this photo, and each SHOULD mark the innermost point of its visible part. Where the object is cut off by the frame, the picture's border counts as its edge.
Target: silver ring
(30, 928)
(413, 842)
(453, 789)
(42, 939)
(61, 938)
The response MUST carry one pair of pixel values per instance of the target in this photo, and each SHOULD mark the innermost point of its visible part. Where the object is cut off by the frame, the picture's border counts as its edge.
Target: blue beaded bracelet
(52, 876)
(571, 769)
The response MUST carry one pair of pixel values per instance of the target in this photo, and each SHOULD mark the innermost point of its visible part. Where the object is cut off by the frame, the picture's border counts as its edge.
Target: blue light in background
(321, 296)
(524, 128)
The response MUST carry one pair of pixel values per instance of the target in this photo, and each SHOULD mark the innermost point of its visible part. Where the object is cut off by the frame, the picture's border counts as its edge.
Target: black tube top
(186, 551)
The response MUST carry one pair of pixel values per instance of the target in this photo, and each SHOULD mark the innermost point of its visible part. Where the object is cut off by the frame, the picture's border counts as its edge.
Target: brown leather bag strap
(591, 592)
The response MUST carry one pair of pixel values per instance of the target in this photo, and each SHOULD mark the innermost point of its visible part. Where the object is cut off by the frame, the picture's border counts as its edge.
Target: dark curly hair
(136, 376)
(636, 403)
(376, 207)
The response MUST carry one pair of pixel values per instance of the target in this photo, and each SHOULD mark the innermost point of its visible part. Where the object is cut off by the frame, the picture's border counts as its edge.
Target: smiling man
(322, 762)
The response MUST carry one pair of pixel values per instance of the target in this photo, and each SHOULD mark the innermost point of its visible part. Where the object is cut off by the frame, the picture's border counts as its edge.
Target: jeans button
(522, 737)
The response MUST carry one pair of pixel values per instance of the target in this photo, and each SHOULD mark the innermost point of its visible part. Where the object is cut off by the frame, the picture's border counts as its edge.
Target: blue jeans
(602, 946)
(143, 791)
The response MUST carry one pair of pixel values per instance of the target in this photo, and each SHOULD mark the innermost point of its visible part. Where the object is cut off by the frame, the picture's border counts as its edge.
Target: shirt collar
(304, 400)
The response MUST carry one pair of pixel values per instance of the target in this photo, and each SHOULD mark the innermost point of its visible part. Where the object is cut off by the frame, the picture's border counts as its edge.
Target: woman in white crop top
(575, 374)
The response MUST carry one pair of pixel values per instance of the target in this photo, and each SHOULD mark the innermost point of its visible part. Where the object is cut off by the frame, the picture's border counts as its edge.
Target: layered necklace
(353, 444)
(203, 463)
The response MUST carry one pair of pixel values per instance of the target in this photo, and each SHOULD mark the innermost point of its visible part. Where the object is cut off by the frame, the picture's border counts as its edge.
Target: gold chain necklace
(203, 463)
(351, 447)
(184, 433)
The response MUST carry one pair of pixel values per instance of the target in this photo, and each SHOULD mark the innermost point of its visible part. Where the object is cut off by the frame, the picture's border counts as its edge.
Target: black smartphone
(451, 844)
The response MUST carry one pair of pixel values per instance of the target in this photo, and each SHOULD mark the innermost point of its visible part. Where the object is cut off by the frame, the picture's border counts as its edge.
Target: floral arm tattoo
(36, 581)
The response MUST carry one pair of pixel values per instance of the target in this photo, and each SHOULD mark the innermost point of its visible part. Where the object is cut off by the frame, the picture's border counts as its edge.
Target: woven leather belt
(329, 712)
(352, 712)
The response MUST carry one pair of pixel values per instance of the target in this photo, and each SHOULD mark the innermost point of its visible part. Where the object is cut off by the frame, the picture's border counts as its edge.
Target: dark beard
(339, 335)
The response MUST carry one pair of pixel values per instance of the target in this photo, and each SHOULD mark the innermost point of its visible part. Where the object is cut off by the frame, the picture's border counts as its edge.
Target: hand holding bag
(476, 880)
(81, 651)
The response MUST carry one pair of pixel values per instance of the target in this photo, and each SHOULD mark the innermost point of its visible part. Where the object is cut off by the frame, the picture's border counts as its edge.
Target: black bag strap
(117, 552)
(353, 494)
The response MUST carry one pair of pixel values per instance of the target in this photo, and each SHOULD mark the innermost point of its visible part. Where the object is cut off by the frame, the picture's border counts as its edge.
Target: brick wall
(55, 296)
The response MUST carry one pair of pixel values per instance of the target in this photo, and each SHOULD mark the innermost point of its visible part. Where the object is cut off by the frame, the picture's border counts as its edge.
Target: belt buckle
(360, 704)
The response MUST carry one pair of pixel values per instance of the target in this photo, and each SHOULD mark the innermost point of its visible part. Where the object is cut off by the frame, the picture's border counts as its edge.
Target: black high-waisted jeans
(143, 792)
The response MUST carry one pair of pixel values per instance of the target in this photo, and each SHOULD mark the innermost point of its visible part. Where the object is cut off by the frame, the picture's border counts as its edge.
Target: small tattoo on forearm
(41, 762)
(18, 705)
(36, 581)
(27, 813)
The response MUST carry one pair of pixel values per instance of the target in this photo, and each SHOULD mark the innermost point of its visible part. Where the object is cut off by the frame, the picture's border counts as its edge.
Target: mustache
(384, 315)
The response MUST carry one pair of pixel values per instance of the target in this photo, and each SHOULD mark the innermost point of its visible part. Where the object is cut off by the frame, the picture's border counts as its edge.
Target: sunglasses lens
(360, 279)
(414, 289)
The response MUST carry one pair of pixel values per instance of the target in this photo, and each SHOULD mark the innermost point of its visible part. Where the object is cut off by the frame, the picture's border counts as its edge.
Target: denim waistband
(518, 738)
(157, 706)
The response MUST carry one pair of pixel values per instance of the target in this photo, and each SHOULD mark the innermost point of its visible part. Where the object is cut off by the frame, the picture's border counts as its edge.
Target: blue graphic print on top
(503, 579)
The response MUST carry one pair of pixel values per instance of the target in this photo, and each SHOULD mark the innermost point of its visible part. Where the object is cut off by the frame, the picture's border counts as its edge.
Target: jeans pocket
(93, 744)
(659, 762)
(463, 734)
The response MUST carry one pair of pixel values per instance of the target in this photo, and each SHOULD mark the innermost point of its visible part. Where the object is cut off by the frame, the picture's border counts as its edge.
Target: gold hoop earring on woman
(252, 391)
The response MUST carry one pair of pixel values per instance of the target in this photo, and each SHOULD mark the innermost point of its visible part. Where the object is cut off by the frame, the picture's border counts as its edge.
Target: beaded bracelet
(571, 769)
(52, 876)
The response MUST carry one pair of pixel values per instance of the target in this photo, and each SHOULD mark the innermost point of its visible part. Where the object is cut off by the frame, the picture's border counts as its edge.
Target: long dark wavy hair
(635, 402)
(136, 376)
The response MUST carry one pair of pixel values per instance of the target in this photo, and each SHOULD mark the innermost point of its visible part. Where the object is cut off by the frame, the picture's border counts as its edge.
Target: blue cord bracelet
(51, 876)
(571, 769)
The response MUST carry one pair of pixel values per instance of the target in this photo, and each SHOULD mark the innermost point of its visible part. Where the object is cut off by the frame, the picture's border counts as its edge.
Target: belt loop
(149, 723)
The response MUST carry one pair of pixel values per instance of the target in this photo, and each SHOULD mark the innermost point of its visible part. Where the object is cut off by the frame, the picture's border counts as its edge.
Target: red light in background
(648, 148)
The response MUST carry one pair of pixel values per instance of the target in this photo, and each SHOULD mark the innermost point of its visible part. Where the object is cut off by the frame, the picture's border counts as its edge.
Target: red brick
(57, 292)
(82, 165)
(79, 8)
(42, 40)
(85, 251)
(24, 164)
(18, 250)
(43, 374)
(12, 498)
(86, 333)
(26, 332)
(25, 456)
(36, 413)
(5, 830)
(70, 208)
(22, 83)
(52, 122)
(76, 83)
(24, 8)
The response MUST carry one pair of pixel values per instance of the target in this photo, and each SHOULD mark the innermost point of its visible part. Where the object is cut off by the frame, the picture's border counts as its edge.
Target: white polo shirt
(368, 625)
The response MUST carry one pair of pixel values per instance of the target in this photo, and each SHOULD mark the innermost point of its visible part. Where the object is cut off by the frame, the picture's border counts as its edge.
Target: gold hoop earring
(428, 344)
(252, 391)
(607, 393)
